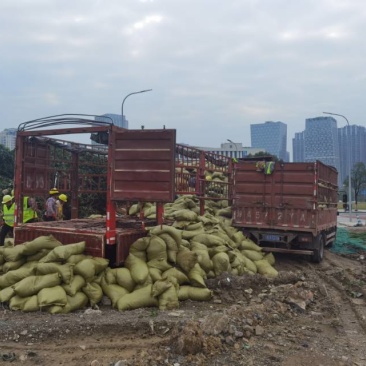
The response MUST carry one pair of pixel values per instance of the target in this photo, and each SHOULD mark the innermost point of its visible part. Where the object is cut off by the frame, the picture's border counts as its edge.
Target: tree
(7, 167)
(262, 154)
(358, 179)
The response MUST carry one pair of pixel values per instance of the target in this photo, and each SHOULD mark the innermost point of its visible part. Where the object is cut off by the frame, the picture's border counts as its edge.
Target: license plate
(271, 237)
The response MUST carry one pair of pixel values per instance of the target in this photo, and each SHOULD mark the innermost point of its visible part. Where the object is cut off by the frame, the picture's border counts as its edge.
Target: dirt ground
(312, 314)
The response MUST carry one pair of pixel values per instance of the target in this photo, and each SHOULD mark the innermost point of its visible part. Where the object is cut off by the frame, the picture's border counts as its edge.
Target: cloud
(213, 66)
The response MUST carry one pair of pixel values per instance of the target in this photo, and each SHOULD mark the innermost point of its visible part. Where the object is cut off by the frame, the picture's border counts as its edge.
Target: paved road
(344, 218)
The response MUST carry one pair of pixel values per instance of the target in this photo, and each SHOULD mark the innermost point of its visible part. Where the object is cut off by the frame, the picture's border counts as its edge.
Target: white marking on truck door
(279, 216)
(302, 217)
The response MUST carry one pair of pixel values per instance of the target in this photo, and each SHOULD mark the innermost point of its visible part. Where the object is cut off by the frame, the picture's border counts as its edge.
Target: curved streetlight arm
(349, 166)
(138, 92)
(335, 114)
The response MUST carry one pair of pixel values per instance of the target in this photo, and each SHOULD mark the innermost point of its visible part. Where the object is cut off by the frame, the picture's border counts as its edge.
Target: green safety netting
(349, 243)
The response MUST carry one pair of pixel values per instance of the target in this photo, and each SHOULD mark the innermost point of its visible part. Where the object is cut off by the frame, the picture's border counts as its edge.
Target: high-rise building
(271, 136)
(320, 144)
(298, 150)
(351, 139)
(116, 118)
(321, 141)
(8, 138)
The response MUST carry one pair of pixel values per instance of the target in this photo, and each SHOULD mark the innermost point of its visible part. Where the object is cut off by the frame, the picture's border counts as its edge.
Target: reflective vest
(8, 215)
(269, 167)
(28, 212)
(60, 210)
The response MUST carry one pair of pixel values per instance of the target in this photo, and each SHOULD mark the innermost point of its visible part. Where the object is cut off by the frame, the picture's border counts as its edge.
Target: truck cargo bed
(285, 204)
(92, 231)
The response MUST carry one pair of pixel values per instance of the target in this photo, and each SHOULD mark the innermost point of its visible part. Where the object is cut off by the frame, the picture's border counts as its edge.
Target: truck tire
(318, 253)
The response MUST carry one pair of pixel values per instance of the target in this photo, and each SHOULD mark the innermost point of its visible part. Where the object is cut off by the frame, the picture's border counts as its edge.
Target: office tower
(298, 147)
(321, 141)
(8, 138)
(351, 138)
(271, 136)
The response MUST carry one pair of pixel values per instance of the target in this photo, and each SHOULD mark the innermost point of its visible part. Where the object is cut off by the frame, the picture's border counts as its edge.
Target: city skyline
(321, 139)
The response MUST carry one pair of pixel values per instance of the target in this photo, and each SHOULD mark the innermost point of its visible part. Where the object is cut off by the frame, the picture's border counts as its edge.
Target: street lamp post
(349, 165)
(236, 147)
(138, 92)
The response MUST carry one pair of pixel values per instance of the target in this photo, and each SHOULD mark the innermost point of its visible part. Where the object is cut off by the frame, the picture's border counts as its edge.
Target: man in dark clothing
(8, 217)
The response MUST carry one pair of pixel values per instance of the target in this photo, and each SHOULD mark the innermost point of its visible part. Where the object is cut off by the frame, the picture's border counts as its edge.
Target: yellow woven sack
(140, 298)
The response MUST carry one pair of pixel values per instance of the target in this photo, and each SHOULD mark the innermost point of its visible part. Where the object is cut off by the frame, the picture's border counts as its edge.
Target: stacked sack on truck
(190, 202)
(44, 274)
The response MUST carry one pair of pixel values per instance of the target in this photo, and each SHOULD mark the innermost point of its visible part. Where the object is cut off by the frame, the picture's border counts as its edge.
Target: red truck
(286, 207)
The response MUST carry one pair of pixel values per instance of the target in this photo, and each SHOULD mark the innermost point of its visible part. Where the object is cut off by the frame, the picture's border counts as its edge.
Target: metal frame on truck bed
(130, 165)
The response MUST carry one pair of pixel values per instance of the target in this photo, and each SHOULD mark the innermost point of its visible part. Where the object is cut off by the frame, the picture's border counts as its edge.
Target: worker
(8, 218)
(29, 209)
(62, 199)
(51, 206)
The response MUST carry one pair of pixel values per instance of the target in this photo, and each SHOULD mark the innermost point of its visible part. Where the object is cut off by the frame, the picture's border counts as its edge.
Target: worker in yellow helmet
(29, 208)
(8, 217)
(208, 178)
(62, 199)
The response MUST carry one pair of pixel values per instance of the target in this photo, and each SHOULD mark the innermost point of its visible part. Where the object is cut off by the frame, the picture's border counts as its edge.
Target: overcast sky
(215, 67)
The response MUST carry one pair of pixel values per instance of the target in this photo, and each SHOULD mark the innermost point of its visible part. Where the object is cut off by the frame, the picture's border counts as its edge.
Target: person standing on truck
(29, 209)
(62, 199)
(8, 217)
(51, 206)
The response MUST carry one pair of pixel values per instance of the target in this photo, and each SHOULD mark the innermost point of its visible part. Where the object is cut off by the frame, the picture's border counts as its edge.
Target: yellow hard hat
(54, 191)
(62, 197)
(209, 177)
(7, 198)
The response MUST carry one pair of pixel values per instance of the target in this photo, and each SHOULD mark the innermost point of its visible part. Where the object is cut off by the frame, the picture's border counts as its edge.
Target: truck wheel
(318, 254)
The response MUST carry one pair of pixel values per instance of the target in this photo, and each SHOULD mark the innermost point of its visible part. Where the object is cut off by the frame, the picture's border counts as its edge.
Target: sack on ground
(194, 293)
(265, 269)
(14, 254)
(66, 271)
(28, 304)
(114, 292)
(140, 298)
(75, 285)
(52, 296)
(41, 243)
(12, 277)
(156, 249)
(64, 252)
(94, 293)
(138, 269)
(76, 302)
(33, 284)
